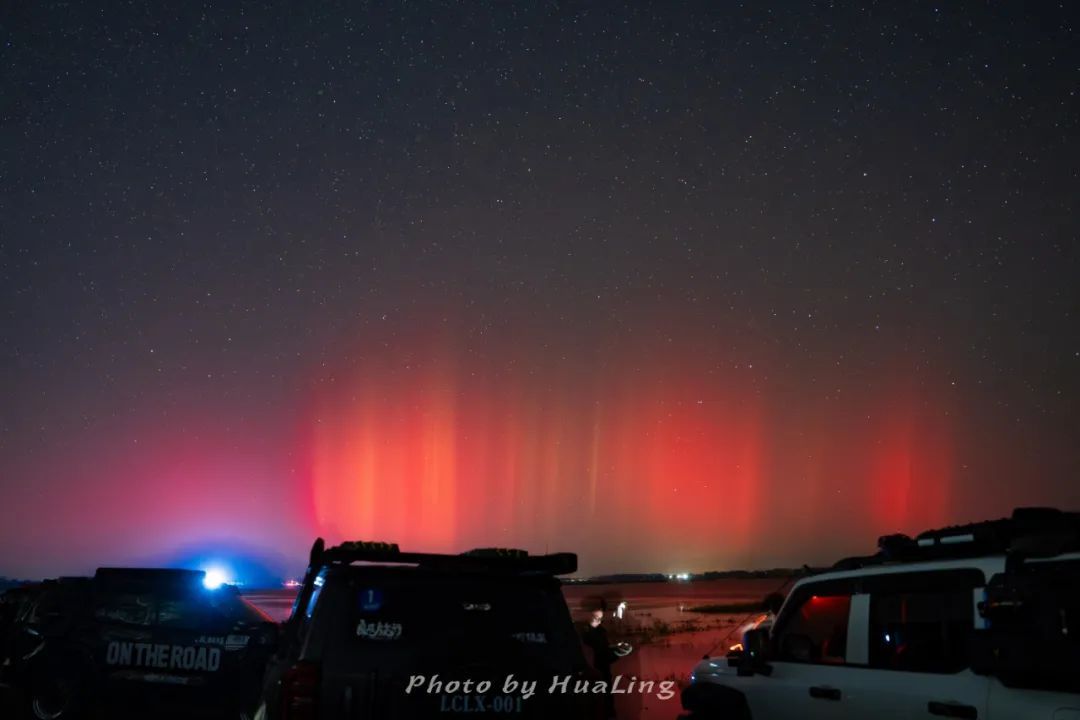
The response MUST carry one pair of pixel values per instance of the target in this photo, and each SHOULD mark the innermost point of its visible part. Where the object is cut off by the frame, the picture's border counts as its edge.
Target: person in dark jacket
(596, 639)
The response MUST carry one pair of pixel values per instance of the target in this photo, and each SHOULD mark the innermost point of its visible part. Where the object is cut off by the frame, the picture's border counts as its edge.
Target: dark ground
(10, 703)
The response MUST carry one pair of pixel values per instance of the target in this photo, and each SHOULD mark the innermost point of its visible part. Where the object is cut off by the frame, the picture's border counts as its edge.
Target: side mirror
(755, 655)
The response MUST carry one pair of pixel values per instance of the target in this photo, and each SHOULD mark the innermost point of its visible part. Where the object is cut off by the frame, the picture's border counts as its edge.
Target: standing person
(595, 638)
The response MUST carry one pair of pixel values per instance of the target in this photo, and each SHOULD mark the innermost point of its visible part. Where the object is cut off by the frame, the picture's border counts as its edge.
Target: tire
(57, 686)
(56, 697)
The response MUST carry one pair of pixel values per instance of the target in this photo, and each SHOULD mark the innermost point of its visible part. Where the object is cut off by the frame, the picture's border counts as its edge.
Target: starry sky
(676, 286)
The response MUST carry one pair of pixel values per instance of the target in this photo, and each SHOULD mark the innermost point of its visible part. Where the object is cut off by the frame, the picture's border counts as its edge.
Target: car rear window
(128, 608)
(175, 608)
(235, 608)
(431, 613)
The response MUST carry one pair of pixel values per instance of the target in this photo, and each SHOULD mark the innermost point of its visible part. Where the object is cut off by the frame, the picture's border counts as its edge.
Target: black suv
(379, 633)
(144, 640)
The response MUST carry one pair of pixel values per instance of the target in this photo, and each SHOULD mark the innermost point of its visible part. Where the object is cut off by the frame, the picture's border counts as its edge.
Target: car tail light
(299, 692)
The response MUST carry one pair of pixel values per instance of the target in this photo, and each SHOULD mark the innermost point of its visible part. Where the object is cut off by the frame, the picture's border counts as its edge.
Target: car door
(915, 658)
(809, 676)
(123, 620)
(195, 638)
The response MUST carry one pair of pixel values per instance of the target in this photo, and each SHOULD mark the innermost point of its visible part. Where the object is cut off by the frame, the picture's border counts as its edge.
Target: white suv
(979, 621)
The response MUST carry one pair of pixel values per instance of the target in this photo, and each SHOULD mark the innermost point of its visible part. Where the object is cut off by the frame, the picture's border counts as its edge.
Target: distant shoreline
(622, 578)
(777, 573)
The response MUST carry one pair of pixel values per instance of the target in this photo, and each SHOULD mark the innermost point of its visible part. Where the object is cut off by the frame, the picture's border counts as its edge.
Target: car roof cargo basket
(493, 560)
(1029, 533)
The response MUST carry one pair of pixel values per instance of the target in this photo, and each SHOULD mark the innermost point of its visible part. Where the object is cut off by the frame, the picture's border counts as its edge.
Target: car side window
(26, 610)
(924, 629)
(45, 607)
(815, 630)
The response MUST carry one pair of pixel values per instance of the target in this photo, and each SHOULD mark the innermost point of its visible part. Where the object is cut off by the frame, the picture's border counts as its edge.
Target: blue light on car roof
(215, 577)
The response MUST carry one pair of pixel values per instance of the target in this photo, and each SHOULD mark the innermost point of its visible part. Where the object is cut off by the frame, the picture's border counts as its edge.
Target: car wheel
(54, 698)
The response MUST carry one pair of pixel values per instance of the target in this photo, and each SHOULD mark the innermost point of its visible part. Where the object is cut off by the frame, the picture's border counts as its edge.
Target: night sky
(677, 287)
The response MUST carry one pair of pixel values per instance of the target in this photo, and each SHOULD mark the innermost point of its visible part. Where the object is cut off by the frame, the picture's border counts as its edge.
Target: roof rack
(153, 576)
(1030, 532)
(507, 560)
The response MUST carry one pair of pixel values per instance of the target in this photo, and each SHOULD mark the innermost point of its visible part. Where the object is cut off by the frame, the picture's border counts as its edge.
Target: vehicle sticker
(476, 606)
(164, 679)
(153, 677)
(379, 630)
(371, 600)
(236, 642)
(163, 657)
